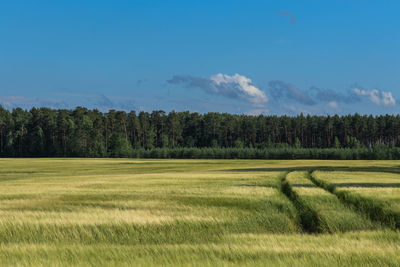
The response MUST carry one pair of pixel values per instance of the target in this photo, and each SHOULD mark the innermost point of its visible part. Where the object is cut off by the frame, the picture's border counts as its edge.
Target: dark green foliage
(352, 142)
(120, 147)
(45, 132)
(297, 143)
(336, 142)
(269, 153)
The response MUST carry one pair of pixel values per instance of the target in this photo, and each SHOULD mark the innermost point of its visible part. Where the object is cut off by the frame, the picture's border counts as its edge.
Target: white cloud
(242, 85)
(378, 97)
(387, 99)
(235, 86)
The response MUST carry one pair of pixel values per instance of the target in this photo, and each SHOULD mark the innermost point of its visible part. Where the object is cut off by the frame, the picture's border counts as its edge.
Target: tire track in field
(309, 219)
(374, 209)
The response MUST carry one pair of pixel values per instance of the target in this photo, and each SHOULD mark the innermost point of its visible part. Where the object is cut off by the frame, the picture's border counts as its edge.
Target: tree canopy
(44, 132)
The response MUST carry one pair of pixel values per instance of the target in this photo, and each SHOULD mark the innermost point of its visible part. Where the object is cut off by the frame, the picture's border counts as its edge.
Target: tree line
(45, 132)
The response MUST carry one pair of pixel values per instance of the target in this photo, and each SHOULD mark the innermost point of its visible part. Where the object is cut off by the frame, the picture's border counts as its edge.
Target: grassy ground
(379, 186)
(192, 212)
(331, 215)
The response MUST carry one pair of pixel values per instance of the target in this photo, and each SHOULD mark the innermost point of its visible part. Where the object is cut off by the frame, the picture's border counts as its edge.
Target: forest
(45, 132)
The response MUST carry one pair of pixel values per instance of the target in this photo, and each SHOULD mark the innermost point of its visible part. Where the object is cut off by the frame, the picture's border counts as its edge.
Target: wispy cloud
(100, 102)
(141, 81)
(105, 103)
(292, 17)
(11, 102)
(285, 91)
(328, 95)
(256, 112)
(287, 98)
(378, 97)
(236, 86)
(333, 104)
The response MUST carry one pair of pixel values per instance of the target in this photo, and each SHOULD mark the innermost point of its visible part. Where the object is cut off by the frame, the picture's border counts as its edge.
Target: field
(97, 212)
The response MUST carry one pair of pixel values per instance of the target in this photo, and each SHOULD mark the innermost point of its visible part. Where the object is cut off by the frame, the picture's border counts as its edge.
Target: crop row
(323, 208)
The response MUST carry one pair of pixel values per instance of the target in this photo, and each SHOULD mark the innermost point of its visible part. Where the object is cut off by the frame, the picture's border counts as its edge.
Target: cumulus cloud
(283, 90)
(291, 16)
(378, 97)
(236, 86)
(287, 98)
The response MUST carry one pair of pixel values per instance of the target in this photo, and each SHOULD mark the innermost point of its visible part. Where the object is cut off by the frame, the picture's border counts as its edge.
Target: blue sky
(251, 57)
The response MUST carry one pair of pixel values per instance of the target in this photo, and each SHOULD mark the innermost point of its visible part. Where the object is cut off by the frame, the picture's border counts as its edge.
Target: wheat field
(122, 212)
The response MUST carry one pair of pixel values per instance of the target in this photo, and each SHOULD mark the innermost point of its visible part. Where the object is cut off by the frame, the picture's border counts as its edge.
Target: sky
(243, 57)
